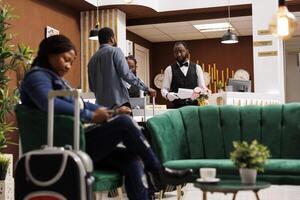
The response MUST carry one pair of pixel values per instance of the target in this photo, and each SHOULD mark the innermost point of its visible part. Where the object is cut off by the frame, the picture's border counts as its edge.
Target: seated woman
(54, 60)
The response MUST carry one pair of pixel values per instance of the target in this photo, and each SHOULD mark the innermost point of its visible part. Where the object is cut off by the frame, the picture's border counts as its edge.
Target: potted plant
(249, 158)
(11, 59)
(4, 163)
(219, 86)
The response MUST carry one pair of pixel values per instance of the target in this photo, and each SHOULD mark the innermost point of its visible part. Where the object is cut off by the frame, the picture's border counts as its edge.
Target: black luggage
(55, 173)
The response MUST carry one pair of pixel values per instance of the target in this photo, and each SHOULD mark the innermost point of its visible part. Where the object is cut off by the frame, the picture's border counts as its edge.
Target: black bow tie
(184, 64)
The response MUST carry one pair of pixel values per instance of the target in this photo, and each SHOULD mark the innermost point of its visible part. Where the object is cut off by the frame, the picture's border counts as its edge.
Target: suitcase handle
(51, 96)
(145, 103)
(48, 182)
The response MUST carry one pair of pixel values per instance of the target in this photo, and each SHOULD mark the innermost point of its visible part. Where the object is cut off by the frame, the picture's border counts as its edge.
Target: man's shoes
(166, 176)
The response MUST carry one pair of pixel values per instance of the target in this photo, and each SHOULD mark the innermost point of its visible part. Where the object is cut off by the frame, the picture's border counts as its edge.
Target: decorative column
(267, 51)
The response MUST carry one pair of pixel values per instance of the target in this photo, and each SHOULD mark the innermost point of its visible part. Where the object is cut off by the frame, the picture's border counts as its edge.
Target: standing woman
(54, 60)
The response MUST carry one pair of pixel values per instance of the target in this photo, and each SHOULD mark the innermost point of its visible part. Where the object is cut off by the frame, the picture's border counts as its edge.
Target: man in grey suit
(108, 70)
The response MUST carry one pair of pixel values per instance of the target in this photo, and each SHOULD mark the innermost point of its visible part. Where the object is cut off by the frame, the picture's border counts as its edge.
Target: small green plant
(11, 60)
(4, 163)
(252, 156)
(219, 85)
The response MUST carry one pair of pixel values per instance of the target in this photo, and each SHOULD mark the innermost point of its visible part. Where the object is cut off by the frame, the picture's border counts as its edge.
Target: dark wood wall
(34, 16)
(209, 51)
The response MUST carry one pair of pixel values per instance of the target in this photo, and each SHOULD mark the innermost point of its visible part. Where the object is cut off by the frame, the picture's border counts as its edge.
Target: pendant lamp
(284, 23)
(229, 37)
(93, 35)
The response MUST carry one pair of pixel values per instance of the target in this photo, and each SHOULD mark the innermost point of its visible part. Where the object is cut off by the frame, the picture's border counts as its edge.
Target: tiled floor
(275, 192)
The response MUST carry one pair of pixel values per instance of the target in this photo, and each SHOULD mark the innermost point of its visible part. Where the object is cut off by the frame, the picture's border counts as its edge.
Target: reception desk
(243, 98)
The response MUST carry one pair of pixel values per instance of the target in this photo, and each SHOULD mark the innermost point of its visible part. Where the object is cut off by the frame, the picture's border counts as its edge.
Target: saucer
(212, 180)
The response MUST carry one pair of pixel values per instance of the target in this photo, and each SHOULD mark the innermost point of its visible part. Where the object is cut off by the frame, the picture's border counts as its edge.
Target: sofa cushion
(106, 180)
(170, 128)
(291, 131)
(225, 166)
(211, 132)
(271, 128)
(230, 123)
(193, 131)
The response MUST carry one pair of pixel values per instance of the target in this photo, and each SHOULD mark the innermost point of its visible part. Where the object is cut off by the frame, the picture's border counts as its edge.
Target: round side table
(230, 186)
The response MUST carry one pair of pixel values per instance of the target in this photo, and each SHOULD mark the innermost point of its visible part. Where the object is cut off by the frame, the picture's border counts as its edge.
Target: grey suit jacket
(107, 71)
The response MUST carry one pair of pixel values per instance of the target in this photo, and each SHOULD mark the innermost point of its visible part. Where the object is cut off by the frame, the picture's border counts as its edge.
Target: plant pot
(3, 173)
(248, 176)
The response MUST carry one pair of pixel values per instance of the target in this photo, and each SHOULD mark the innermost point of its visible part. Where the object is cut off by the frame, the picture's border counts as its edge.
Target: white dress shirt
(168, 78)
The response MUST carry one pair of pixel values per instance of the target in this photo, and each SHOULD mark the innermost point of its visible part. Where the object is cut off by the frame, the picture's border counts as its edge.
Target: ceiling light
(284, 23)
(229, 37)
(212, 27)
(94, 32)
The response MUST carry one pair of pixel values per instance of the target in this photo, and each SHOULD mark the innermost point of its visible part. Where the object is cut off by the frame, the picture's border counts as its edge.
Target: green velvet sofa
(195, 137)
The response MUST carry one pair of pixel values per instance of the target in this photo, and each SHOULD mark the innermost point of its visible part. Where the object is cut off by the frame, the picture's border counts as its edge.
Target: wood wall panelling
(88, 19)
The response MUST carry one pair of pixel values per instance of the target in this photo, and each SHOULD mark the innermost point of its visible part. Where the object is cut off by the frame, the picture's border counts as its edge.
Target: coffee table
(230, 186)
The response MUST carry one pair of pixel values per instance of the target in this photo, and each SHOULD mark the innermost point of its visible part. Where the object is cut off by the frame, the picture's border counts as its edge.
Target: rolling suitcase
(55, 173)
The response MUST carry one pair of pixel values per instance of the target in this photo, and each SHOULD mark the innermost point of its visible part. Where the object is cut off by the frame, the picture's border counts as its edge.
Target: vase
(248, 176)
(3, 173)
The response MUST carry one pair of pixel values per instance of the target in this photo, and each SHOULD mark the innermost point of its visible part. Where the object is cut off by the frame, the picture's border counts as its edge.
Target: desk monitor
(240, 85)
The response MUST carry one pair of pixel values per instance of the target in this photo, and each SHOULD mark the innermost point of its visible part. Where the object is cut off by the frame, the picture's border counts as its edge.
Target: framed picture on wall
(49, 31)
(129, 47)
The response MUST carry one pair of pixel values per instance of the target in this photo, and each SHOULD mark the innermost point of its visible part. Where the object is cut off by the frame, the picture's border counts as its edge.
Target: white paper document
(184, 93)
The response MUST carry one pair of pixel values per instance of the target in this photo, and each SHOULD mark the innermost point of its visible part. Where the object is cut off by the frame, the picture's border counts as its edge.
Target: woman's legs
(133, 170)
(102, 140)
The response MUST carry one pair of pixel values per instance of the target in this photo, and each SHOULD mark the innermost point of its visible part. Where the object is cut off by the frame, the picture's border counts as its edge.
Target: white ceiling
(166, 32)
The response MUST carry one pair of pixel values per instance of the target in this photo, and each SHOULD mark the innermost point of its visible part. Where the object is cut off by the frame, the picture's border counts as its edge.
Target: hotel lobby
(248, 54)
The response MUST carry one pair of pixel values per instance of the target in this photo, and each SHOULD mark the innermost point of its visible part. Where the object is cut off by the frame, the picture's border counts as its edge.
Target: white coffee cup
(208, 174)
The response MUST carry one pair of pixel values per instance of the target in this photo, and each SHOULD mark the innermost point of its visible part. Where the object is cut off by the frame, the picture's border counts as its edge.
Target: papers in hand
(184, 93)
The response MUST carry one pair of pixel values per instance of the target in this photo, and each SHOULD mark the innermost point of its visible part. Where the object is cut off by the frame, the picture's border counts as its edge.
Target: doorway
(292, 63)
(141, 55)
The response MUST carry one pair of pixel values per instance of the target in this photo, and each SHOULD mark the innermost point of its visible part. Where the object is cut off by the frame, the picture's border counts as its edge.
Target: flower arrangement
(252, 156)
(201, 95)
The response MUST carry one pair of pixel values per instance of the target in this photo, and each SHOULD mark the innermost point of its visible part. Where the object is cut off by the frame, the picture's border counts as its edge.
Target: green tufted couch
(195, 137)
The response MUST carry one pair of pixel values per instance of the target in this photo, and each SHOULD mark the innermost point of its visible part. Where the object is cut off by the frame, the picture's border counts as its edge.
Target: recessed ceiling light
(213, 27)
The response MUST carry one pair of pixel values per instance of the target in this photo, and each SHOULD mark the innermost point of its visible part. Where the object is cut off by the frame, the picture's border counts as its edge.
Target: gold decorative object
(267, 53)
(215, 76)
(262, 43)
(264, 32)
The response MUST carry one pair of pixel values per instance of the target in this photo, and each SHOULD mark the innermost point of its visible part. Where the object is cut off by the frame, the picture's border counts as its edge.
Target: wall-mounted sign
(267, 53)
(49, 31)
(262, 43)
(129, 47)
(263, 32)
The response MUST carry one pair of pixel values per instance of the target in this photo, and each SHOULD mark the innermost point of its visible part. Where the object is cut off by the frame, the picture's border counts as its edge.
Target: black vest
(180, 81)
